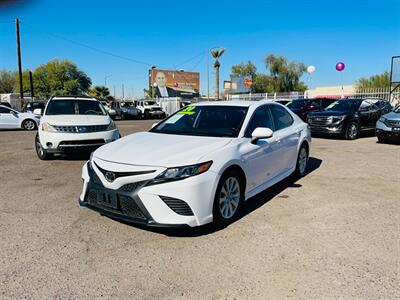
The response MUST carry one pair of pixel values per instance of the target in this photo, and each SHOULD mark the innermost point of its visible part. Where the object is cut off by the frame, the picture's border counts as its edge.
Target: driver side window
(261, 118)
(4, 110)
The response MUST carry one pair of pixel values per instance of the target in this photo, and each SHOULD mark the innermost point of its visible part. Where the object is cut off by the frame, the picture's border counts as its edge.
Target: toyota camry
(197, 166)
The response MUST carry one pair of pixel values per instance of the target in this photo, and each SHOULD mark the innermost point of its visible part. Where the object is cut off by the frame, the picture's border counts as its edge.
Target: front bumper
(333, 129)
(133, 200)
(55, 142)
(389, 133)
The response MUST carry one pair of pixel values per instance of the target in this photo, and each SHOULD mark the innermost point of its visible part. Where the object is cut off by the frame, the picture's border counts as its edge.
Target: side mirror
(261, 133)
(37, 111)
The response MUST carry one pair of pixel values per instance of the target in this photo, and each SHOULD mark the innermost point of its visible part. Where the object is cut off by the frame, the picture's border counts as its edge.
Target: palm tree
(99, 91)
(216, 54)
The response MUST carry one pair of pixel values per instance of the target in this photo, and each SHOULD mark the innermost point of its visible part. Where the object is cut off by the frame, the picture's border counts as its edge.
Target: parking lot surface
(333, 234)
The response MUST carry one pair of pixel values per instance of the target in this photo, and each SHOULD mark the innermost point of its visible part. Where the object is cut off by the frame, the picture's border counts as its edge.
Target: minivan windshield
(204, 120)
(75, 107)
(344, 105)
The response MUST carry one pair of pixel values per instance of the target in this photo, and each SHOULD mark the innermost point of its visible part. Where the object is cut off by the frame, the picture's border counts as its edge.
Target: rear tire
(40, 151)
(228, 199)
(351, 131)
(29, 125)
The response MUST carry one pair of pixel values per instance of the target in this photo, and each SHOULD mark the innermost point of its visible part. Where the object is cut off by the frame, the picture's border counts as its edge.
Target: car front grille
(178, 206)
(319, 121)
(81, 143)
(81, 129)
(125, 205)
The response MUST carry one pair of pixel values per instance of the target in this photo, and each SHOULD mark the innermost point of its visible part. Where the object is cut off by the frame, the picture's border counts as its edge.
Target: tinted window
(4, 110)
(297, 104)
(282, 118)
(212, 120)
(344, 105)
(260, 118)
(75, 107)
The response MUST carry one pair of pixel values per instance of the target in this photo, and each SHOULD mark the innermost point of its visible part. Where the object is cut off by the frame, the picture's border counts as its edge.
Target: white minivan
(73, 124)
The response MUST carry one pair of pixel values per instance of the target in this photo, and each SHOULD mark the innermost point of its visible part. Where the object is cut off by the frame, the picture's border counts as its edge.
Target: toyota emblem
(110, 176)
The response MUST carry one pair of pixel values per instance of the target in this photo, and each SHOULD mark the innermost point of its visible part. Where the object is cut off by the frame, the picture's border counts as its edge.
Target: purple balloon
(340, 66)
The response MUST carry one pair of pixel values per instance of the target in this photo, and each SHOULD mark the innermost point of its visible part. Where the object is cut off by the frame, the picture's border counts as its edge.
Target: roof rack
(72, 96)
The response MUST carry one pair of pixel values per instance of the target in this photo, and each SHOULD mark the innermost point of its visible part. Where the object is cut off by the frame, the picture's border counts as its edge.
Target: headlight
(338, 119)
(179, 173)
(111, 126)
(49, 128)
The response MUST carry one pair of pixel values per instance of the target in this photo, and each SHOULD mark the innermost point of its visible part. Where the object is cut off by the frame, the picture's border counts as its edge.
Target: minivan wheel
(228, 199)
(351, 132)
(40, 151)
(29, 125)
(302, 161)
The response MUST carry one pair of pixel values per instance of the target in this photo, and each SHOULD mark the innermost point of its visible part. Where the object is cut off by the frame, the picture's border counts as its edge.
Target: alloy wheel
(29, 125)
(229, 197)
(303, 158)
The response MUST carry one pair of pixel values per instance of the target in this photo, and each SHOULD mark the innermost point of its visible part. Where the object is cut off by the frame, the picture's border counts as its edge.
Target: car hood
(75, 120)
(162, 150)
(393, 116)
(330, 113)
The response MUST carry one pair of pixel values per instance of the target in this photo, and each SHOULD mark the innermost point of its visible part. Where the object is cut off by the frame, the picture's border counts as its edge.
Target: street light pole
(105, 79)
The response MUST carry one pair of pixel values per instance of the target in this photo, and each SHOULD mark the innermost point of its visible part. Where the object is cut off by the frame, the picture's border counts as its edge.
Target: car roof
(73, 98)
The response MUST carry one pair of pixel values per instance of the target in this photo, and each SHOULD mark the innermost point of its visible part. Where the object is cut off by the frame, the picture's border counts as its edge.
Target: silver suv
(388, 126)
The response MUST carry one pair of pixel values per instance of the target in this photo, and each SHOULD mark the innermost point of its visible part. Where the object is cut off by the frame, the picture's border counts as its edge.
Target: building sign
(170, 83)
(241, 84)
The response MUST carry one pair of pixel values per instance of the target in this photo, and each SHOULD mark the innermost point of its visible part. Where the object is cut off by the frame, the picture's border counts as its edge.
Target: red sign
(248, 83)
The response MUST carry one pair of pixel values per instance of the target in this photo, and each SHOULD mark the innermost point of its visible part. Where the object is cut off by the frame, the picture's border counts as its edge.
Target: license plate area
(107, 199)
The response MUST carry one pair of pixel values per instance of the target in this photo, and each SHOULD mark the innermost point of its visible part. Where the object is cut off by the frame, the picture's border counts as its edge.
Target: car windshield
(150, 103)
(203, 120)
(297, 104)
(75, 107)
(397, 109)
(344, 105)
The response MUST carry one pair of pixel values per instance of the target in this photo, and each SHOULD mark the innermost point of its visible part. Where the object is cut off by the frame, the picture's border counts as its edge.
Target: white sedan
(197, 166)
(12, 119)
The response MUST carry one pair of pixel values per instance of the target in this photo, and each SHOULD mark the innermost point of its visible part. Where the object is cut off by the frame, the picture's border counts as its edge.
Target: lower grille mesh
(178, 206)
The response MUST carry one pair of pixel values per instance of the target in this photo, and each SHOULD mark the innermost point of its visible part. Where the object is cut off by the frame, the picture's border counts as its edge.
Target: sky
(120, 40)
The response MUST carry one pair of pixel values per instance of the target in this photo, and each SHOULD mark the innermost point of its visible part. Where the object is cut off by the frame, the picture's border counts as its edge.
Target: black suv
(348, 117)
(302, 107)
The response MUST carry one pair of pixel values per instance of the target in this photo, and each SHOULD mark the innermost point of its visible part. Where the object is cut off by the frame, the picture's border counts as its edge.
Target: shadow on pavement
(249, 206)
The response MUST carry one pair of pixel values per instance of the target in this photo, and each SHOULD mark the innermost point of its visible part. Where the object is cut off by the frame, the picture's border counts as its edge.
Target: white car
(12, 119)
(73, 124)
(197, 166)
(150, 109)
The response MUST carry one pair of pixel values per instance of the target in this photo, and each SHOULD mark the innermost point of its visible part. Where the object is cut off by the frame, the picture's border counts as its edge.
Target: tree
(248, 69)
(216, 54)
(99, 91)
(7, 82)
(58, 77)
(374, 82)
(286, 74)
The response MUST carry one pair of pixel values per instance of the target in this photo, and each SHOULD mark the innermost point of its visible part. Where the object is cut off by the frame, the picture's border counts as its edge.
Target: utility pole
(21, 87)
(123, 92)
(31, 83)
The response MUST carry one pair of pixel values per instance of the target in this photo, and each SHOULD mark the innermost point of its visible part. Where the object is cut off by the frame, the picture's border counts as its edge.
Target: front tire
(351, 131)
(29, 125)
(302, 161)
(40, 151)
(228, 199)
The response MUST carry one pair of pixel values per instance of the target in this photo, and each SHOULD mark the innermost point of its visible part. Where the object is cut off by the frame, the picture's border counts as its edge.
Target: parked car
(388, 126)
(348, 117)
(130, 111)
(73, 124)
(302, 107)
(31, 106)
(197, 166)
(12, 119)
(150, 109)
(110, 111)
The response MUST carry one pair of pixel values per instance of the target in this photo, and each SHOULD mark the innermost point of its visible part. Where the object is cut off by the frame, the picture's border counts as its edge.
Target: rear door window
(282, 118)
